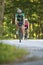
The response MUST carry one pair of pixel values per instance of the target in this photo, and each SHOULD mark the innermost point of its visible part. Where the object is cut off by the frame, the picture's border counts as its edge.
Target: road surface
(35, 46)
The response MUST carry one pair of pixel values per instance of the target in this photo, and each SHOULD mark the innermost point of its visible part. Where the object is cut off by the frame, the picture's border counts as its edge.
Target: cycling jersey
(20, 18)
(26, 25)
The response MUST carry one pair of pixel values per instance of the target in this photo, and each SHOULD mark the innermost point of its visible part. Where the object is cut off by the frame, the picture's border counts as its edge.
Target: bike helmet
(19, 11)
(26, 19)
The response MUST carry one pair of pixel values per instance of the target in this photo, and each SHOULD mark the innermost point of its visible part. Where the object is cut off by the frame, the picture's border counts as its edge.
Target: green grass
(10, 53)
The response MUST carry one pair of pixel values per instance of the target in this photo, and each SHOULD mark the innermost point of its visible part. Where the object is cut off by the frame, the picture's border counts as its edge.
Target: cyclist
(19, 19)
(26, 25)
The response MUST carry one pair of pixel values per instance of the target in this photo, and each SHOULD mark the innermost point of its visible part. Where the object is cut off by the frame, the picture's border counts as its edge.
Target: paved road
(29, 44)
(25, 43)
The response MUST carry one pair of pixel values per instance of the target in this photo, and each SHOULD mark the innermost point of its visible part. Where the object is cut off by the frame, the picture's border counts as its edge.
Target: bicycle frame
(26, 33)
(20, 33)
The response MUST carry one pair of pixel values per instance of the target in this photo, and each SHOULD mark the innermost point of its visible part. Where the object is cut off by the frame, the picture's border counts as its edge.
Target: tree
(33, 10)
(1, 15)
(1, 10)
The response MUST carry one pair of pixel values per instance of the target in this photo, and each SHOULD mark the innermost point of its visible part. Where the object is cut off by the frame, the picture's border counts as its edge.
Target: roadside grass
(10, 53)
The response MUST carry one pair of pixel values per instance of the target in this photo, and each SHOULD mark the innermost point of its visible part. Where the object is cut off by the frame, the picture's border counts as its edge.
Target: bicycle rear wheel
(26, 34)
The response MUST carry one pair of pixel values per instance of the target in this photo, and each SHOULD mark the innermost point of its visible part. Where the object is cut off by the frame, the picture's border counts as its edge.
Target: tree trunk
(1, 11)
(1, 16)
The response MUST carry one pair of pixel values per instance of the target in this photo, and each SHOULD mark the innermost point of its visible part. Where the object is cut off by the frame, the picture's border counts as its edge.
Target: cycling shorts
(20, 23)
(26, 27)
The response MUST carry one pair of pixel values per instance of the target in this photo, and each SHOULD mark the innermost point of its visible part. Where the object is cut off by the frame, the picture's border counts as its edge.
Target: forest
(33, 10)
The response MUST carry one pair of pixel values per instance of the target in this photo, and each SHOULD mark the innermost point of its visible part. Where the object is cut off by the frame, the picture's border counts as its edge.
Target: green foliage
(33, 10)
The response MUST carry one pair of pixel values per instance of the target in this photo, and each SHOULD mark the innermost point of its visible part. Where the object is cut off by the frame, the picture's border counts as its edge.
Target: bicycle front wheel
(20, 34)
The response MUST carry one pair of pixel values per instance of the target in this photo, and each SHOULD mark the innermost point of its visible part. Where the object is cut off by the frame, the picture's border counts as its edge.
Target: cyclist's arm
(23, 18)
(28, 24)
(16, 19)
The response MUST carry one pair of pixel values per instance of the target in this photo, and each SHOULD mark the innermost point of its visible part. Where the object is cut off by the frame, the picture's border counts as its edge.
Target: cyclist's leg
(23, 31)
(17, 27)
(16, 31)
(20, 33)
(27, 33)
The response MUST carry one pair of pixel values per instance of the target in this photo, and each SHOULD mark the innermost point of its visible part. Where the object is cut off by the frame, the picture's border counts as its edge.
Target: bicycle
(20, 34)
(26, 33)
